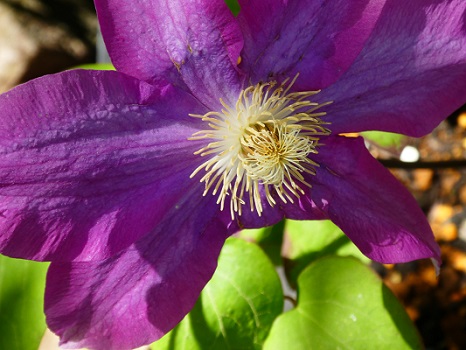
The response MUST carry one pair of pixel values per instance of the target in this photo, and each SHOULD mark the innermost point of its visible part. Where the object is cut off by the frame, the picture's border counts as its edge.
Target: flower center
(261, 146)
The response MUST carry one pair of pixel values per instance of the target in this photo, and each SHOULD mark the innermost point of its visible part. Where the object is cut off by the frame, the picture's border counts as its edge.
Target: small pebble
(409, 154)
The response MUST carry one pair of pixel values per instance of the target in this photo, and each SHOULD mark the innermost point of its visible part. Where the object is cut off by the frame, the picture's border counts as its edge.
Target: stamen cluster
(260, 147)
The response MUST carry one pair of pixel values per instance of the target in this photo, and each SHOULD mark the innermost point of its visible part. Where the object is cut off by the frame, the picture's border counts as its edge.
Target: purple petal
(87, 163)
(301, 209)
(376, 212)
(194, 42)
(319, 39)
(141, 294)
(410, 76)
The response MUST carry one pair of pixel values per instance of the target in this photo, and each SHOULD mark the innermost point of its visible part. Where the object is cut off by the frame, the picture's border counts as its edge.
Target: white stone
(409, 154)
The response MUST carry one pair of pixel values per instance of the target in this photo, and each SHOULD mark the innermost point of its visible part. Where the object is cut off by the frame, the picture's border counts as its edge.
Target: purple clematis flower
(130, 181)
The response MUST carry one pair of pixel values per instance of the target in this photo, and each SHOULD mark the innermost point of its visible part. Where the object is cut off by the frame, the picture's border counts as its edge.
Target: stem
(394, 163)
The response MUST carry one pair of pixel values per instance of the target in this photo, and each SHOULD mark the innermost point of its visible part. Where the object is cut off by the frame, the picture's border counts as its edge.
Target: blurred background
(43, 37)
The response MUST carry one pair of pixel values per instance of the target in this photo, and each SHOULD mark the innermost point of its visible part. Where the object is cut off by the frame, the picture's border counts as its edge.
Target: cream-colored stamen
(261, 146)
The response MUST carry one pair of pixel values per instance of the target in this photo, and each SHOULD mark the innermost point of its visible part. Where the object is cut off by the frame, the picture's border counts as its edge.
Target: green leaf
(343, 304)
(307, 241)
(270, 239)
(237, 307)
(96, 66)
(22, 320)
(385, 139)
(233, 5)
